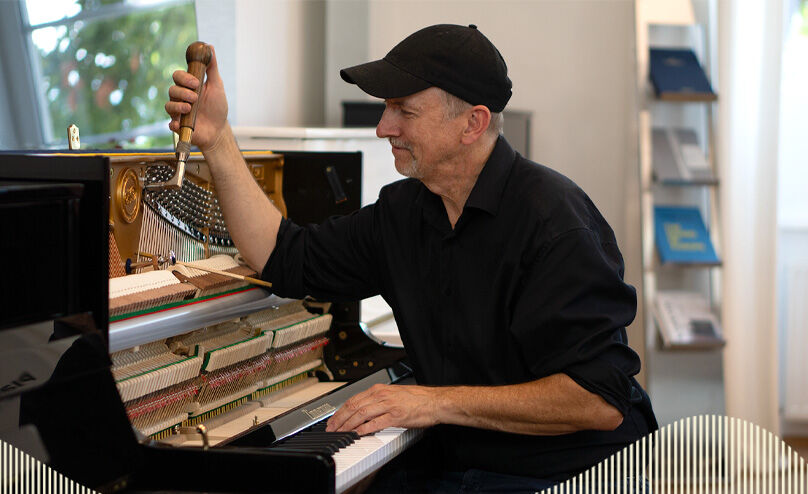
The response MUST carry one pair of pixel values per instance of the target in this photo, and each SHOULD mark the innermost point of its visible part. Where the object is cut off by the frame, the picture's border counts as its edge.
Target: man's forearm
(549, 406)
(251, 218)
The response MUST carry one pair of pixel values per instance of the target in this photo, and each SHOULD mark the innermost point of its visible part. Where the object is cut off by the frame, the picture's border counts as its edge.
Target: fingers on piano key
(360, 409)
(377, 424)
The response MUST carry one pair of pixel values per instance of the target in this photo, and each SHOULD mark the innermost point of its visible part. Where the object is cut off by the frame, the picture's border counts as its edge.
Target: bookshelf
(681, 220)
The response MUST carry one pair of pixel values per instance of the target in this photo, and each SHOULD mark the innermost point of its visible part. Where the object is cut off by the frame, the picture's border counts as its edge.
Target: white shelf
(691, 372)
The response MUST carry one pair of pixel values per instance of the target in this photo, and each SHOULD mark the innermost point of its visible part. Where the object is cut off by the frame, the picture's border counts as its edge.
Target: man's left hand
(384, 406)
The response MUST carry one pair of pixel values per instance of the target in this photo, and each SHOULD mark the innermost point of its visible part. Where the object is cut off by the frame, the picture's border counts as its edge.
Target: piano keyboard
(354, 457)
(302, 430)
(369, 453)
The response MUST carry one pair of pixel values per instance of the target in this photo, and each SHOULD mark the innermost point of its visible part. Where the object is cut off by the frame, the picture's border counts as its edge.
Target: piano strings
(187, 220)
(226, 365)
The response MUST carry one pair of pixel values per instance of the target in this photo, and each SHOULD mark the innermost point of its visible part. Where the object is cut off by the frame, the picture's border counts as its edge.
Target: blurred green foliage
(804, 12)
(111, 74)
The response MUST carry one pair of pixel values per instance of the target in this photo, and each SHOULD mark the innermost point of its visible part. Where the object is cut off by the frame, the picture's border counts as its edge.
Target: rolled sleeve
(572, 315)
(336, 260)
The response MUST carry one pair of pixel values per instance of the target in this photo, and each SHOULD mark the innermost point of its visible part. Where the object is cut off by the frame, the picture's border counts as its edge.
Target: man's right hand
(211, 117)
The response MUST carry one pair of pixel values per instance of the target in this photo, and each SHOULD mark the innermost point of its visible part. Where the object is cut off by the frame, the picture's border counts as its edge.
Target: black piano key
(333, 448)
(341, 438)
(316, 442)
(318, 426)
(352, 435)
(319, 450)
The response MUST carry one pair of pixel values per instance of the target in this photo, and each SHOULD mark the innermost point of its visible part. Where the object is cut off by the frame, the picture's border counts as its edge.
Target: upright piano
(148, 375)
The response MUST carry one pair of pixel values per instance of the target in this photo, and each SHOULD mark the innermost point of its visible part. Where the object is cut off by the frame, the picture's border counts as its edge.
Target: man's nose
(387, 126)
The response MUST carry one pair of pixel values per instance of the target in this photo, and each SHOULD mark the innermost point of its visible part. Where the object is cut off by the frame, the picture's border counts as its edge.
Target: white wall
(346, 45)
(272, 57)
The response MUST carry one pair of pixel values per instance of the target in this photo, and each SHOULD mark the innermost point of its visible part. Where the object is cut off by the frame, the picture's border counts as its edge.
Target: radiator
(796, 343)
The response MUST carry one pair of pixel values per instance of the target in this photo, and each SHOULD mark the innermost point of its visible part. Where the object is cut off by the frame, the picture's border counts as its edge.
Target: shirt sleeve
(572, 315)
(335, 261)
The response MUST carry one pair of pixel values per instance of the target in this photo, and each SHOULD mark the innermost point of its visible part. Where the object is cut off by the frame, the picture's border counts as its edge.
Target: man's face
(419, 132)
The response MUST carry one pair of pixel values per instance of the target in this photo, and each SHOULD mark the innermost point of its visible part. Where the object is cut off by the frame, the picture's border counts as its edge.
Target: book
(678, 159)
(685, 320)
(681, 236)
(677, 76)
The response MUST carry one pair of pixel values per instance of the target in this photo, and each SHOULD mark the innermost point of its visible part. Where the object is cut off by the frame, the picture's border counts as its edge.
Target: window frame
(23, 120)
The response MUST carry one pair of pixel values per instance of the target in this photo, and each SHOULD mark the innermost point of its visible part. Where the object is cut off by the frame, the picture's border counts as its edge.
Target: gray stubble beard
(413, 170)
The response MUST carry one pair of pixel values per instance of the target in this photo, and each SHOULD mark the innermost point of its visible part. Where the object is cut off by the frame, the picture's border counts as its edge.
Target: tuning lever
(198, 56)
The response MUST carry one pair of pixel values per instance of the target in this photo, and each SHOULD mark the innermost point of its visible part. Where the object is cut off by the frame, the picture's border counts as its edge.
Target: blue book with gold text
(677, 75)
(682, 237)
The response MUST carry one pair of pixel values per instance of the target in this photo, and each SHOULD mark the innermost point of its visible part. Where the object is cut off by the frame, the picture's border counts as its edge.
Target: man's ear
(477, 123)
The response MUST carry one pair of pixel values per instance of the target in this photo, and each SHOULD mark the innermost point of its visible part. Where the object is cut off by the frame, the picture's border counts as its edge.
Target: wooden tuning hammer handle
(198, 57)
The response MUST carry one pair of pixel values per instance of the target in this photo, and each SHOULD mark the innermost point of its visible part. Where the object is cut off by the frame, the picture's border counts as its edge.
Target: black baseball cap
(458, 59)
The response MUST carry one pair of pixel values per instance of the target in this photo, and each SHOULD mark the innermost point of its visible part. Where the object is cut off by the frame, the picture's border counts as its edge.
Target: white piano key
(369, 453)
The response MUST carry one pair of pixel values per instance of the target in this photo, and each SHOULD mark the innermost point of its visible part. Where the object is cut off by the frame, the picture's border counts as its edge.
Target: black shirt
(529, 283)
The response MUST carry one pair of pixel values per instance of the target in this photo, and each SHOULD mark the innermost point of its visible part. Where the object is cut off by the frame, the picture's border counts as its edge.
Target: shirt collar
(487, 191)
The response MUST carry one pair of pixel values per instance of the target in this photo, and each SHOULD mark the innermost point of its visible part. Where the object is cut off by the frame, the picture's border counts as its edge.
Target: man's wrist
(220, 143)
(446, 399)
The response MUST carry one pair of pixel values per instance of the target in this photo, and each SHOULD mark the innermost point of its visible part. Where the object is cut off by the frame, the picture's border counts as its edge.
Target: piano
(152, 376)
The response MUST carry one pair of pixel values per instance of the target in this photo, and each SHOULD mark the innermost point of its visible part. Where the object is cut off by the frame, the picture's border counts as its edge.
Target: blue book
(681, 236)
(677, 75)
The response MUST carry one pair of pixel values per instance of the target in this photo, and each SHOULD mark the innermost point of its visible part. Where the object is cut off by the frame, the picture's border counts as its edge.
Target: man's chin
(409, 169)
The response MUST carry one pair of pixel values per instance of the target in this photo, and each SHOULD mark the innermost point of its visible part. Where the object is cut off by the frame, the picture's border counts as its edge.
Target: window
(106, 65)
(793, 174)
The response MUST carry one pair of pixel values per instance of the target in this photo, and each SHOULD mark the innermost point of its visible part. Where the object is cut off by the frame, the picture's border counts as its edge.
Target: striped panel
(707, 454)
(20, 473)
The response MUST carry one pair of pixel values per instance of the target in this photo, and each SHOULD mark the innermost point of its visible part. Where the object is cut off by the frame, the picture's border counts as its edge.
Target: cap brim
(383, 79)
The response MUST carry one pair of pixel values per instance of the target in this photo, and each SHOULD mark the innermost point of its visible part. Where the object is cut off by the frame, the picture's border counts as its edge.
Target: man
(505, 280)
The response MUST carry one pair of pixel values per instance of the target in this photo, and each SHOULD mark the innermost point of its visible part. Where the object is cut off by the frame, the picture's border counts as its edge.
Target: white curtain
(750, 46)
